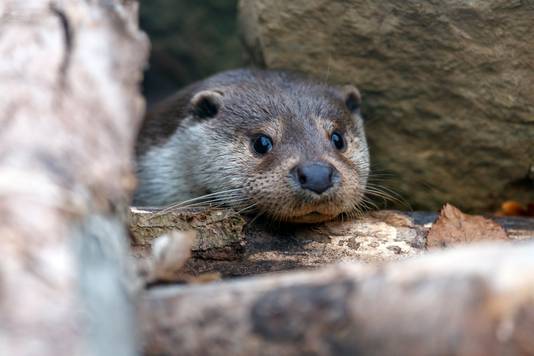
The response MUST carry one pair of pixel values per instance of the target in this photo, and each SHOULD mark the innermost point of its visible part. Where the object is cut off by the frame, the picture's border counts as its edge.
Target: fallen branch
(226, 243)
(69, 108)
(471, 301)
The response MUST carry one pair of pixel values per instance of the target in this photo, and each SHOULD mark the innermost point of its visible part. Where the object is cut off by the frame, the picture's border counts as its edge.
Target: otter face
(293, 153)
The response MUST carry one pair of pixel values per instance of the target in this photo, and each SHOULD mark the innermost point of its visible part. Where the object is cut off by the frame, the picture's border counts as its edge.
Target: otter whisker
(214, 203)
(367, 204)
(246, 208)
(197, 199)
(260, 213)
(387, 195)
(230, 197)
(383, 188)
(203, 197)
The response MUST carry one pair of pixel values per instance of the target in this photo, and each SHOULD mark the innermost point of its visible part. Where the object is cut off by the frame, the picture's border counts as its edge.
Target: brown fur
(184, 153)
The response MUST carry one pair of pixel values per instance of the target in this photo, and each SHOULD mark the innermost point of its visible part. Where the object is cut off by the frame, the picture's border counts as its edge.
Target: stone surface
(447, 86)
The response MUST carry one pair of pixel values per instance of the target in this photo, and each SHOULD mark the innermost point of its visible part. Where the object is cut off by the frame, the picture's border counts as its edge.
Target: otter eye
(262, 144)
(338, 141)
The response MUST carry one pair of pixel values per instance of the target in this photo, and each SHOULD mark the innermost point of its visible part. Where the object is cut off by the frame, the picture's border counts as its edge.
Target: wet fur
(182, 156)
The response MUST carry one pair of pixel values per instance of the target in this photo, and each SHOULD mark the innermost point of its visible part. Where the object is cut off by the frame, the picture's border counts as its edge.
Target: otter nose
(316, 177)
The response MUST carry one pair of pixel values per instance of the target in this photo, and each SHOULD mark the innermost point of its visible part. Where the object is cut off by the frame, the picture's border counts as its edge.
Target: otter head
(292, 150)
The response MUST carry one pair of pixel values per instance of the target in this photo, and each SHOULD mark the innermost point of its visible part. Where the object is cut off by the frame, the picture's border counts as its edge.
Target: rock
(447, 86)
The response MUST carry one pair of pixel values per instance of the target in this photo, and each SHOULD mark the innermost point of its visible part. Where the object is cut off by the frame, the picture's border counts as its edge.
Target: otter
(270, 142)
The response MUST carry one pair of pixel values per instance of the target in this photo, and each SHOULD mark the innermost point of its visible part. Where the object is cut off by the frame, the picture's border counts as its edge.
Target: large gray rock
(448, 86)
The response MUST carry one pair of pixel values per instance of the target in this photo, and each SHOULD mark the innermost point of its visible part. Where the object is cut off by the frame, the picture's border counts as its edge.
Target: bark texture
(469, 301)
(69, 112)
(447, 86)
(231, 245)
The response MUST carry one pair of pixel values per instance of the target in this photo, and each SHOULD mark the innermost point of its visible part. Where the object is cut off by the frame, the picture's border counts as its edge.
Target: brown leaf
(454, 227)
(513, 208)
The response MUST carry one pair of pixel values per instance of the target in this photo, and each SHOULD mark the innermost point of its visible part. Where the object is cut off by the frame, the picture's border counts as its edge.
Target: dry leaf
(510, 208)
(454, 227)
(513, 208)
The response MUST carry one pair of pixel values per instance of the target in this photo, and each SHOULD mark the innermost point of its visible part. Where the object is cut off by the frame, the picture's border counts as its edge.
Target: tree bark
(69, 112)
(235, 246)
(471, 301)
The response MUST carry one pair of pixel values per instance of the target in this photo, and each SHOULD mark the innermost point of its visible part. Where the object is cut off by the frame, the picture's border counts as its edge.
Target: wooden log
(235, 246)
(69, 111)
(474, 300)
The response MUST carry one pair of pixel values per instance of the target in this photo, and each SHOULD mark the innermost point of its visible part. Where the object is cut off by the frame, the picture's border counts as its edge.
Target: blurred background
(190, 40)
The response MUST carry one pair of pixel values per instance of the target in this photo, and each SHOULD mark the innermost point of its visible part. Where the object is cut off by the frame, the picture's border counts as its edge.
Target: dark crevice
(526, 182)
(67, 37)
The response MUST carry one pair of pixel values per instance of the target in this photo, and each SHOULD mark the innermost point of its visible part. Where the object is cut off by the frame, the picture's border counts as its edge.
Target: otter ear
(352, 98)
(206, 104)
